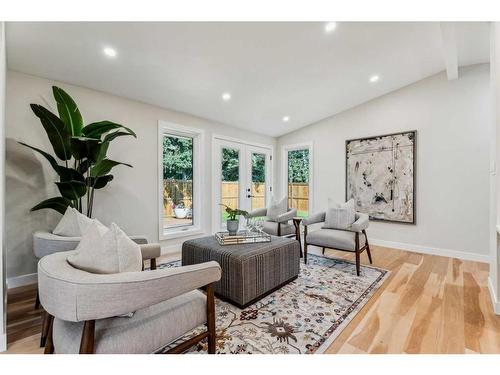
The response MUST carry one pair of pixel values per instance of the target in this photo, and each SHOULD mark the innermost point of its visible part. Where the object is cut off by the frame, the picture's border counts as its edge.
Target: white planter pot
(232, 226)
(181, 213)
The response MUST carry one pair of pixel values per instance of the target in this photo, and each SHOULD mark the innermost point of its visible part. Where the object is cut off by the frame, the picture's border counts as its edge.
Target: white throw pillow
(106, 251)
(340, 216)
(74, 224)
(69, 225)
(277, 208)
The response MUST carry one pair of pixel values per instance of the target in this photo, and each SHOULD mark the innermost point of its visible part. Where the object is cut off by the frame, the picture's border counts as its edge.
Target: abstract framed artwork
(380, 176)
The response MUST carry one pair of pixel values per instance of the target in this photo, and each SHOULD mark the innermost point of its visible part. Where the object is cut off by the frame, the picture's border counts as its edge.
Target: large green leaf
(104, 166)
(47, 156)
(84, 166)
(99, 182)
(59, 137)
(72, 189)
(84, 147)
(97, 129)
(60, 204)
(70, 174)
(100, 152)
(68, 111)
(109, 137)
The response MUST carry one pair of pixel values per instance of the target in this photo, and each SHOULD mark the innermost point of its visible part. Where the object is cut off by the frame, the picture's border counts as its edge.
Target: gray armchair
(46, 243)
(85, 311)
(280, 226)
(353, 239)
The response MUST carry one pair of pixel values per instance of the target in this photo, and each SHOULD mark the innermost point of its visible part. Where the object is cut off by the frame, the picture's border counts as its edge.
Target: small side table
(296, 224)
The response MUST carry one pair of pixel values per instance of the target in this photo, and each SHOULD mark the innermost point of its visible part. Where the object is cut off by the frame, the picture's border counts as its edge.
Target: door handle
(249, 196)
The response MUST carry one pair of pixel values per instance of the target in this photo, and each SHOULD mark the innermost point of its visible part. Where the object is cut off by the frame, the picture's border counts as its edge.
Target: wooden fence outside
(177, 191)
(298, 196)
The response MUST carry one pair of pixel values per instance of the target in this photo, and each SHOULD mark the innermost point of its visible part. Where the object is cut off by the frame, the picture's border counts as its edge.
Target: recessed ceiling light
(226, 96)
(108, 51)
(374, 78)
(330, 26)
(286, 118)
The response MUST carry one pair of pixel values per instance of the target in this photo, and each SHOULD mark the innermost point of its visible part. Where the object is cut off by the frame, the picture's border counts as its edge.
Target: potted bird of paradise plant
(233, 218)
(80, 161)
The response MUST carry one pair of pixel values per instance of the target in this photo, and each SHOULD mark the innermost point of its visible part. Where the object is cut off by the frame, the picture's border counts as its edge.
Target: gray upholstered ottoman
(249, 271)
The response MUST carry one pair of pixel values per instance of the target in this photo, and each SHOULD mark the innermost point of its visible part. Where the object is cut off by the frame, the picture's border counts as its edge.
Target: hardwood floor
(429, 304)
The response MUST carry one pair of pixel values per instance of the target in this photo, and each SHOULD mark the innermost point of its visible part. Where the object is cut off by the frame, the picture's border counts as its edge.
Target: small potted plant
(233, 219)
(180, 211)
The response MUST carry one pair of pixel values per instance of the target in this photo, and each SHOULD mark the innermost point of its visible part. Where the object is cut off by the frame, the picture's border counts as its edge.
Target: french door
(242, 178)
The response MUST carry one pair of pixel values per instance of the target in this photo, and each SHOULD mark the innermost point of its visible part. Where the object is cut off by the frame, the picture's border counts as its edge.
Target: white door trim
(216, 170)
(284, 169)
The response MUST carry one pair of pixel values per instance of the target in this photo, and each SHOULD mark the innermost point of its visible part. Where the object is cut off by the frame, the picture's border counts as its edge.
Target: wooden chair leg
(356, 249)
(87, 343)
(367, 247)
(49, 344)
(305, 244)
(45, 328)
(153, 263)
(37, 300)
(357, 263)
(211, 319)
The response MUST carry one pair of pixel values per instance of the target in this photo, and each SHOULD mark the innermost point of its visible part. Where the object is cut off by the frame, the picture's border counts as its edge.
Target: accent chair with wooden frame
(129, 312)
(353, 240)
(46, 243)
(280, 226)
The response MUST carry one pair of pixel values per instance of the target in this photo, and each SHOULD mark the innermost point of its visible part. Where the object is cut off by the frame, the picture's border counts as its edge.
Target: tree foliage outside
(231, 163)
(298, 166)
(177, 158)
(259, 168)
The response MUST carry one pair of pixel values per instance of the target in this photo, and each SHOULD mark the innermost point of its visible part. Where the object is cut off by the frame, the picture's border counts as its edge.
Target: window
(297, 179)
(230, 180)
(179, 150)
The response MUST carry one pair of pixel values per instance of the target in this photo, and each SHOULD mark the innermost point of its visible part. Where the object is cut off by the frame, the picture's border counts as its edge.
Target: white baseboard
(14, 282)
(494, 301)
(432, 250)
(3, 342)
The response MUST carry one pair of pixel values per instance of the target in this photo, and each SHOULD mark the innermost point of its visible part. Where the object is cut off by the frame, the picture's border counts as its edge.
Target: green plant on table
(233, 213)
(81, 149)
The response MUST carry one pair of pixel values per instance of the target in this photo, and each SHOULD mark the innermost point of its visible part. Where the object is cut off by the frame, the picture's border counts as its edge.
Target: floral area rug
(305, 316)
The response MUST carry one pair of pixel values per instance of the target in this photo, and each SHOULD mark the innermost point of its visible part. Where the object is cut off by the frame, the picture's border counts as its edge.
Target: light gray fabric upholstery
(271, 227)
(289, 215)
(314, 218)
(108, 251)
(277, 208)
(45, 243)
(74, 295)
(361, 223)
(147, 331)
(150, 251)
(259, 212)
(333, 238)
(340, 216)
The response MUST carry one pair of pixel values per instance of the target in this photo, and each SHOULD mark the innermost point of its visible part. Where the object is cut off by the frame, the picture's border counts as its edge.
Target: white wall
(453, 123)
(3, 336)
(131, 198)
(494, 282)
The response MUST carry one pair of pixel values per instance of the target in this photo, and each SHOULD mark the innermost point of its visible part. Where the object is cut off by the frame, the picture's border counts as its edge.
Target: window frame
(284, 169)
(176, 130)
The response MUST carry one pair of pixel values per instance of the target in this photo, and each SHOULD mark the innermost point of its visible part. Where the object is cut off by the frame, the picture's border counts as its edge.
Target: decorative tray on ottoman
(243, 236)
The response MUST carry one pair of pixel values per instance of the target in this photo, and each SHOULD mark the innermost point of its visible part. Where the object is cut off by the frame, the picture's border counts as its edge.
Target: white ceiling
(271, 69)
